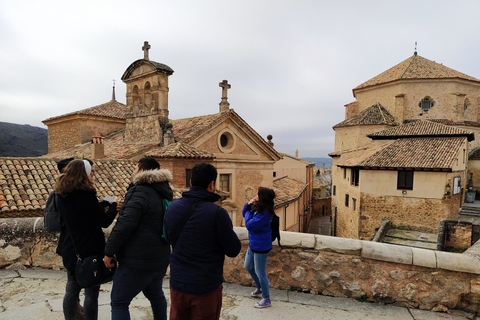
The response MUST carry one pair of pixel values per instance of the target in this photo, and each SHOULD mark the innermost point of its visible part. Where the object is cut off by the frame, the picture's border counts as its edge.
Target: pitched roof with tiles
(287, 190)
(423, 128)
(438, 153)
(25, 183)
(375, 115)
(474, 154)
(415, 67)
(180, 150)
(111, 109)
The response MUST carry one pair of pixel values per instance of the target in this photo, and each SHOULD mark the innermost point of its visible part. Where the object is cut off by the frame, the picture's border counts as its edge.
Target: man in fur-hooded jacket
(136, 241)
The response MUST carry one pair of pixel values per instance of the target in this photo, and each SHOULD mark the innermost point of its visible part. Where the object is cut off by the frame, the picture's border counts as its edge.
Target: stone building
(293, 185)
(244, 160)
(402, 152)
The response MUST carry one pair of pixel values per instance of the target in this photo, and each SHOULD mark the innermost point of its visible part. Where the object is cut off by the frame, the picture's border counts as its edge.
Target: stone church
(114, 131)
(404, 151)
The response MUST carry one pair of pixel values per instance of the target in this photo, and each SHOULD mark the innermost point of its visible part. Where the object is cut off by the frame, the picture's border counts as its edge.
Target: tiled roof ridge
(362, 117)
(87, 111)
(421, 127)
(180, 150)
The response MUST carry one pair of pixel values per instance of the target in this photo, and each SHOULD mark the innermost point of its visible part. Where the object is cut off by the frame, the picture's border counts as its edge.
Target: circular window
(226, 142)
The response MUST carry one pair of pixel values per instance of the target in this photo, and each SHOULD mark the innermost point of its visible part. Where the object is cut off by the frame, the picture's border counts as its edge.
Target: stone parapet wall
(338, 267)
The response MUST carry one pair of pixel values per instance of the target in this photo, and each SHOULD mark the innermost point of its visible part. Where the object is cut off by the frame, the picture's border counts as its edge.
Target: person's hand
(254, 199)
(119, 203)
(108, 262)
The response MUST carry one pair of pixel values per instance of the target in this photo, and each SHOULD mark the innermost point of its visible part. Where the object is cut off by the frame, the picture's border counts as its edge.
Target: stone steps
(411, 238)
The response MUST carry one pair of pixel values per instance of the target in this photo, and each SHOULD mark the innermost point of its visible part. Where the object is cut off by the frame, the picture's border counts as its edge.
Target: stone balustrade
(338, 267)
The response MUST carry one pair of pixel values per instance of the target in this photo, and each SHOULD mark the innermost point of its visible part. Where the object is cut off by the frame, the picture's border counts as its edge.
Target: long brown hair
(74, 178)
(265, 200)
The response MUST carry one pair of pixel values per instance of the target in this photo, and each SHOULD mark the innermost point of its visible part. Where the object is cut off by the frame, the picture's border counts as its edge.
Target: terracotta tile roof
(415, 67)
(424, 128)
(25, 183)
(180, 150)
(188, 129)
(474, 154)
(287, 190)
(449, 122)
(416, 153)
(374, 115)
(111, 109)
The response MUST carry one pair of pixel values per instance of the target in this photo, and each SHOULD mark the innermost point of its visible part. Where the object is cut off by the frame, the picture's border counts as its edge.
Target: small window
(466, 103)
(426, 104)
(354, 201)
(346, 200)
(355, 176)
(334, 190)
(274, 174)
(188, 177)
(405, 180)
(344, 173)
(225, 182)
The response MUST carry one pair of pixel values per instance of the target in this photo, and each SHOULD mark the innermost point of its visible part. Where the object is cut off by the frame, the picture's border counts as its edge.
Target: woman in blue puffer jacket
(258, 213)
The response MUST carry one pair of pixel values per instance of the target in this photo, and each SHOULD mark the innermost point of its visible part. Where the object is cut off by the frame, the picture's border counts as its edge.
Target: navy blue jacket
(259, 229)
(196, 262)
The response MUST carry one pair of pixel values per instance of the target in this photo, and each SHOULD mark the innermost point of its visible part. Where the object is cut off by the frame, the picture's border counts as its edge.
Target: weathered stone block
(386, 252)
(424, 258)
(339, 245)
(457, 262)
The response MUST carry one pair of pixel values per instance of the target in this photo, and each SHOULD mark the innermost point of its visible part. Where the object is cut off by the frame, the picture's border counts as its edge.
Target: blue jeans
(128, 283)
(70, 300)
(256, 265)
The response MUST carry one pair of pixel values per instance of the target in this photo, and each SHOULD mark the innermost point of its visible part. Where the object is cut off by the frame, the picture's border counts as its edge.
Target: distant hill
(320, 161)
(22, 140)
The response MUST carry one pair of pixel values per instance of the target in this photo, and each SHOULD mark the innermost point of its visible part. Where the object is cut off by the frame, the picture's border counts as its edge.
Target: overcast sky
(292, 65)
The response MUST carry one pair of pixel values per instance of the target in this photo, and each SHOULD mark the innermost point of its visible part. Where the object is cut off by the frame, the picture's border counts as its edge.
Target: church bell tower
(147, 99)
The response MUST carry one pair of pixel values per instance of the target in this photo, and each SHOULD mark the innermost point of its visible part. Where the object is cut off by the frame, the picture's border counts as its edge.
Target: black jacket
(85, 218)
(136, 238)
(196, 263)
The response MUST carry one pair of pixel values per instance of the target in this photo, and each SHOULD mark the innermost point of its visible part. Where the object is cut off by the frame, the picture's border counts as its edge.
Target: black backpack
(275, 225)
(51, 216)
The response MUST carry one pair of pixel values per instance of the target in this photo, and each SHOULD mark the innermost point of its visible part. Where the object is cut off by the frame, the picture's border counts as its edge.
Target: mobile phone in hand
(109, 198)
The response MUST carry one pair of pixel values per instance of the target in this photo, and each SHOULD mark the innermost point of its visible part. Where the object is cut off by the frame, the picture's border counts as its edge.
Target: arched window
(426, 104)
(466, 104)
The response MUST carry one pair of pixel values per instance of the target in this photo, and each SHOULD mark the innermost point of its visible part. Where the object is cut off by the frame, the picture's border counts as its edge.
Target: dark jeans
(70, 300)
(128, 283)
(184, 306)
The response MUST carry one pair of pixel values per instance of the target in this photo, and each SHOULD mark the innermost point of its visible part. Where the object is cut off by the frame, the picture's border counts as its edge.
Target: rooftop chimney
(98, 148)
(296, 153)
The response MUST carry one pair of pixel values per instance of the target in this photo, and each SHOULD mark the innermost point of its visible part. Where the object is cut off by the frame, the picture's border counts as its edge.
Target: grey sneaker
(264, 303)
(257, 292)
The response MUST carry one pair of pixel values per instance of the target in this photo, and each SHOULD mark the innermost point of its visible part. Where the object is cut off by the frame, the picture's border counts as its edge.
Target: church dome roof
(415, 67)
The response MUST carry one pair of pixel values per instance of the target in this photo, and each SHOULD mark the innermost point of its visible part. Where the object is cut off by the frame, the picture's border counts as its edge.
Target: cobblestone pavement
(38, 293)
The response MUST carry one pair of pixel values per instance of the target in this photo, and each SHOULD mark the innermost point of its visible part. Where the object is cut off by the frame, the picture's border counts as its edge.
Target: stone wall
(337, 267)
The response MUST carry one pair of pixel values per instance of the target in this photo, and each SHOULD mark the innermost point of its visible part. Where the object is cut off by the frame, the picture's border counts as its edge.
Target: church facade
(244, 159)
(402, 152)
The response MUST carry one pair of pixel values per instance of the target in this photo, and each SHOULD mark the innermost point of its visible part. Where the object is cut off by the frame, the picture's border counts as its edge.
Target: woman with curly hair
(83, 218)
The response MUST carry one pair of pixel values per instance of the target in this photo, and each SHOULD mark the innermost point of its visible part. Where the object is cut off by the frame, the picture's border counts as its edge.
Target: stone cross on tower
(145, 48)
(224, 105)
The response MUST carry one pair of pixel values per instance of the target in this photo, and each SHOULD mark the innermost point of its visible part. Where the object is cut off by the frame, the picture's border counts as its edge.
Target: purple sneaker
(257, 292)
(264, 303)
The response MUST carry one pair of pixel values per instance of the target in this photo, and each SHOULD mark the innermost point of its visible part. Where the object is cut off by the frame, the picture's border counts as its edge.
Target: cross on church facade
(224, 105)
(225, 86)
(145, 48)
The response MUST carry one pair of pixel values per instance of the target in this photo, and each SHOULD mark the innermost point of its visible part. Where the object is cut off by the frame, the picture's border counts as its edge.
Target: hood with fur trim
(152, 176)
